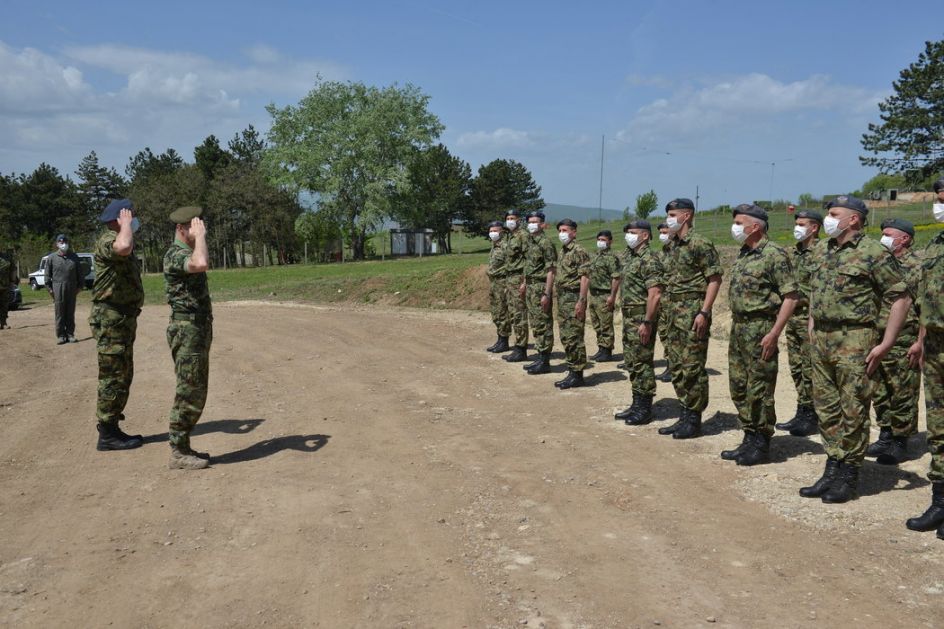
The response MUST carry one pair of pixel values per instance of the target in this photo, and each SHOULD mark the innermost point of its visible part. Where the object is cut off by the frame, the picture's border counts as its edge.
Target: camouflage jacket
(930, 297)
(801, 259)
(187, 293)
(910, 264)
(516, 247)
(689, 262)
(642, 269)
(604, 268)
(117, 278)
(850, 281)
(539, 257)
(498, 258)
(760, 278)
(572, 264)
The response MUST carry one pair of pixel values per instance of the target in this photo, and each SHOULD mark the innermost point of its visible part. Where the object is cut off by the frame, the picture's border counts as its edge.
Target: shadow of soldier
(666, 408)
(784, 447)
(876, 479)
(227, 426)
(720, 422)
(302, 443)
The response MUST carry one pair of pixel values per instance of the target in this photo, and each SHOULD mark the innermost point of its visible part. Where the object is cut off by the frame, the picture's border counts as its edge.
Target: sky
(739, 101)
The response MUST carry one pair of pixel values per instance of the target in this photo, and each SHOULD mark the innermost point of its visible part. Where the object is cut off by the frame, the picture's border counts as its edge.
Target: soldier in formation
(498, 296)
(515, 245)
(540, 258)
(604, 286)
(572, 282)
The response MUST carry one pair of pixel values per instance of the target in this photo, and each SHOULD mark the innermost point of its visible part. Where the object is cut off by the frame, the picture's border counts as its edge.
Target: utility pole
(600, 204)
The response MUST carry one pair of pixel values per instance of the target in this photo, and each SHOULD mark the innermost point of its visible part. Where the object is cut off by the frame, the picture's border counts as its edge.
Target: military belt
(190, 316)
(841, 326)
(568, 289)
(122, 309)
(599, 291)
(741, 317)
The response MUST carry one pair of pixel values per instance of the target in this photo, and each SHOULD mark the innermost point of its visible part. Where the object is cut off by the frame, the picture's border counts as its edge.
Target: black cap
(512, 212)
(495, 224)
(111, 212)
(605, 232)
(638, 224)
(662, 226)
(811, 214)
(567, 222)
(849, 202)
(680, 204)
(939, 185)
(900, 224)
(749, 209)
(537, 214)
(62, 238)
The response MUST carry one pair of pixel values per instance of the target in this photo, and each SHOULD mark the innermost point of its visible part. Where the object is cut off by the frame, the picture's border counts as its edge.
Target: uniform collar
(182, 244)
(746, 250)
(643, 248)
(853, 243)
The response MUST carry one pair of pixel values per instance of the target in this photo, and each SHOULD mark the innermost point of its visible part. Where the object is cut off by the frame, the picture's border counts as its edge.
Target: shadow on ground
(301, 443)
(228, 426)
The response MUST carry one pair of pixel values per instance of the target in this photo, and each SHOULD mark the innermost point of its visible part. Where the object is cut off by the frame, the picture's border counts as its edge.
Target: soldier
(189, 332)
(116, 303)
(762, 293)
(539, 268)
(853, 275)
(664, 237)
(806, 228)
(604, 284)
(8, 279)
(572, 282)
(63, 278)
(642, 282)
(693, 278)
(515, 245)
(498, 297)
(928, 351)
(897, 383)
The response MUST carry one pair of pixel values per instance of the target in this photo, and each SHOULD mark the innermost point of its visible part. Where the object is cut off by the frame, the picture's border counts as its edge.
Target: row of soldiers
(861, 317)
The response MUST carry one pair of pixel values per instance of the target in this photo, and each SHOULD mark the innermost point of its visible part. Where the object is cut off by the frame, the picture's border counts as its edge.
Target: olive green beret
(183, 215)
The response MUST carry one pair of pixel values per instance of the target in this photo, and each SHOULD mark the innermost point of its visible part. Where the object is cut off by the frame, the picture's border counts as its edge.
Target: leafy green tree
(646, 204)
(97, 186)
(210, 157)
(320, 232)
(351, 143)
(500, 185)
(807, 200)
(247, 147)
(909, 138)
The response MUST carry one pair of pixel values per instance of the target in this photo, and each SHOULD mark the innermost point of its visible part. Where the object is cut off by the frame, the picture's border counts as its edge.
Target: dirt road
(376, 468)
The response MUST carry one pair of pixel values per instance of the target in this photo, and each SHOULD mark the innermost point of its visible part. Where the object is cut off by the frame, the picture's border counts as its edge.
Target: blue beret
(849, 202)
(537, 214)
(638, 224)
(512, 212)
(810, 214)
(749, 209)
(567, 222)
(111, 212)
(900, 224)
(680, 204)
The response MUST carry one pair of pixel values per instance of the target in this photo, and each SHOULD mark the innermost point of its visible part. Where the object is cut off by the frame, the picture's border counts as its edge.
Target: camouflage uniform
(642, 270)
(117, 297)
(515, 247)
(540, 257)
(663, 322)
(604, 268)
(760, 278)
(797, 333)
(189, 335)
(689, 262)
(897, 385)
(572, 264)
(6, 279)
(848, 286)
(931, 307)
(498, 296)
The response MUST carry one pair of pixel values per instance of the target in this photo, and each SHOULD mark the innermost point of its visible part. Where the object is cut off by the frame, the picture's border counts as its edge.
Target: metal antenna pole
(600, 204)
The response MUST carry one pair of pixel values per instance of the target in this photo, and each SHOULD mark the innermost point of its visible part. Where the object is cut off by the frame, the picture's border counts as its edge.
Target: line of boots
(688, 425)
(639, 412)
(803, 424)
(754, 450)
(541, 364)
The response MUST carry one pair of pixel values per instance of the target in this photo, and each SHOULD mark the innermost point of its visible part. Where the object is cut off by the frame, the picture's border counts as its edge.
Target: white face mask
(534, 227)
(494, 236)
(800, 232)
(510, 224)
(601, 245)
(889, 242)
(673, 224)
(632, 240)
(135, 225)
(737, 232)
(63, 246)
(831, 225)
(664, 238)
(564, 237)
(939, 212)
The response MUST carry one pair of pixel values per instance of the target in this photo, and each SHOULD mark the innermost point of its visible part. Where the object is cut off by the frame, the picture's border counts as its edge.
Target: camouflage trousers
(571, 330)
(842, 391)
(751, 380)
(897, 386)
(498, 304)
(189, 343)
(801, 361)
(601, 318)
(114, 335)
(517, 309)
(687, 354)
(638, 357)
(934, 400)
(663, 334)
(542, 323)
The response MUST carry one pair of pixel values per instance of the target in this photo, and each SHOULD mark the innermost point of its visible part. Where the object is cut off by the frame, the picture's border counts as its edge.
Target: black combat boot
(668, 430)
(573, 380)
(797, 418)
(665, 376)
(731, 455)
(643, 412)
(629, 412)
(845, 487)
(567, 378)
(808, 424)
(757, 452)
(821, 486)
(691, 428)
(541, 365)
(517, 355)
(110, 437)
(933, 517)
(897, 452)
(604, 354)
(501, 345)
(884, 442)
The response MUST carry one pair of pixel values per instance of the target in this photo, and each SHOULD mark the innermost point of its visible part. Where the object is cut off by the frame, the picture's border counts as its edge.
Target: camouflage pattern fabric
(638, 357)
(515, 245)
(573, 263)
(761, 276)
(117, 278)
(114, 334)
(605, 266)
(498, 299)
(931, 309)
(663, 324)
(641, 270)
(601, 318)
(798, 339)
(540, 256)
(689, 262)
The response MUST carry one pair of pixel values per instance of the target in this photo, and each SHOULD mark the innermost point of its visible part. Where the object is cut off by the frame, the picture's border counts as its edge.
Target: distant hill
(556, 211)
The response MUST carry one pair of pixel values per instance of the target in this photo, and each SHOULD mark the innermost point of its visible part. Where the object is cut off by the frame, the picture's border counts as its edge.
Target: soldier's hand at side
(197, 227)
(610, 303)
(545, 303)
(768, 346)
(580, 311)
(522, 290)
(645, 333)
(916, 355)
(875, 357)
(700, 327)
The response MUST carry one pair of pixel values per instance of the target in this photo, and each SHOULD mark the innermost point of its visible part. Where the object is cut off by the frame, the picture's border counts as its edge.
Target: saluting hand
(125, 217)
(197, 227)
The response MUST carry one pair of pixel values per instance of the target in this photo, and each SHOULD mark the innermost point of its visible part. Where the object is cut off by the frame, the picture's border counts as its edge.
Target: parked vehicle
(16, 298)
(37, 278)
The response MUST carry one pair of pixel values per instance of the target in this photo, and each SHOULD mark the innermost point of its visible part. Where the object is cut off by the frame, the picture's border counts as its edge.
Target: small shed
(411, 242)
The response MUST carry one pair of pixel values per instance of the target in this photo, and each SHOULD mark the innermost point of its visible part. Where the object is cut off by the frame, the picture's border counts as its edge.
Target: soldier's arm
(47, 272)
(916, 351)
(199, 260)
(896, 317)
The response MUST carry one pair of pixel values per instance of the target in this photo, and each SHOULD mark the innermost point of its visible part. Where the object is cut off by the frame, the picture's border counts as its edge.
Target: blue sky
(687, 94)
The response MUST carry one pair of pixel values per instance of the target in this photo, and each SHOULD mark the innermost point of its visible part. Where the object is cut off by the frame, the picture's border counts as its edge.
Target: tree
(646, 204)
(320, 233)
(807, 200)
(910, 138)
(438, 192)
(247, 147)
(97, 186)
(210, 158)
(352, 144)
(500, 185)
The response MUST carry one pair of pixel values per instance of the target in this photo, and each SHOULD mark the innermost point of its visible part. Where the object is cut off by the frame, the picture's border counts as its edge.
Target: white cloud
(497, 139)
(31, 81)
